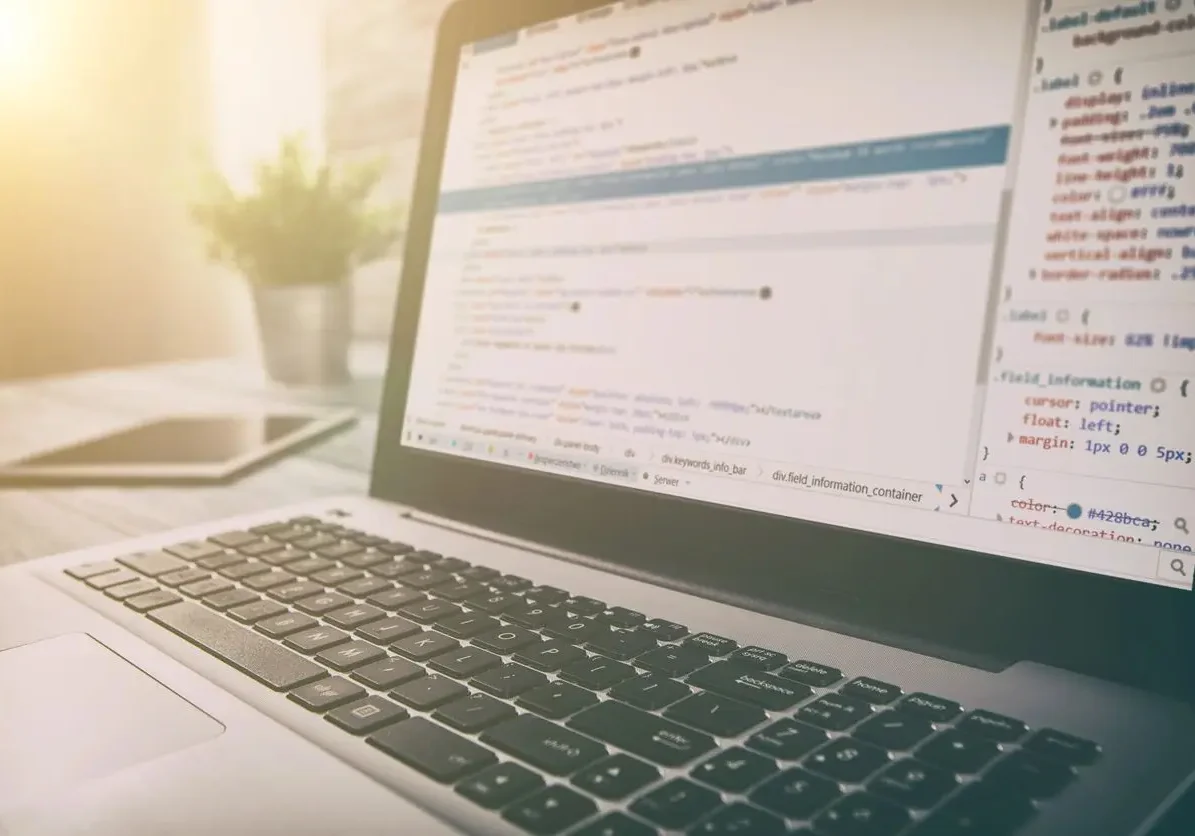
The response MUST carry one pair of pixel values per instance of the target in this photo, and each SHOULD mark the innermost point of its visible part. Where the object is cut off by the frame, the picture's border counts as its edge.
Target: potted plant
(297, 236)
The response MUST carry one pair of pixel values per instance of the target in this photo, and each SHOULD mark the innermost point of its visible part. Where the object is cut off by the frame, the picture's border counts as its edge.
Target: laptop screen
(925, 269)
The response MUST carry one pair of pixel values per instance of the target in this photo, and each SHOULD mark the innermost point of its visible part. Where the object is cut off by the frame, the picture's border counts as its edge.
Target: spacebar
(248, 652)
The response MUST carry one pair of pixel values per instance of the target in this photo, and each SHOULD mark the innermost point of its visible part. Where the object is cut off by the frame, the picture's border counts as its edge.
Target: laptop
(787, 430)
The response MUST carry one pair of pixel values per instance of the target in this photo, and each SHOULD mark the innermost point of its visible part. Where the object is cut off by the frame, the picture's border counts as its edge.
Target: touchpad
(72, 710)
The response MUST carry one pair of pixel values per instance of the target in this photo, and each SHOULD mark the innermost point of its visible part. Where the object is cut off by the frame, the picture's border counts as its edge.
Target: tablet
(176, 449)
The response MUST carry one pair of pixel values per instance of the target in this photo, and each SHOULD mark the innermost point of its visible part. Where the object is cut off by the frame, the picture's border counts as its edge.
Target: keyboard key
(556, 700)
(979, 809)
(1063, 747)
(811, 673)
(673, 660)
(256, 611)
(621, 617)
(834, 712)
(354, 654)
(860, 814)
(394, 547)
(676, 804)
(127, 590)
(1031, 775)
(574, 629)
(761, 689)
(231, 598)
(932, 708)
(479, 573)
(717, 715)
(508, 681)
(283, 625)
(339, 551)
(110, 579)
(151, 600)
(658, 740)
(581, 605)
(315, 639)
(551, 810)
(423, 646)
(711, 644)
(895, 730)
(313, 541)
(459, 591)
(364, 716)
(392, 569)
(354, 616)
(245, 569)
(787, 740)
(235, 539)
(396, 598)
(616, 824)
(429, 692)
(427, 612)
(194, 550)
(913, 784)
(294, 591)
(495, 603)
(183, 576)
(467, 625)
(269, 580)
(663, 629)
(616, 777)
(424, 557)
(739, 819)
(309, 565)
(281, 558)
(995, 727)
(474, 713)
(365, 559)
(544, 745)
(621, 644)
(388, 673)
(509, 583)
(220, 561)
(364, 587)
(320, 604)
(452, 565)
(758, 658)
(153, 564)
(848, 760)
(958, 751)
(596, 673)
(433, 750)
(464, 662)
(261, 547)
(200, 589)
(506, 640)
(871, 690)
(549, 656)
(388, 630)
(650, 691)
(734, 770)
(499, 785)
(531, 615)
(337, 575)
(545, 595)
(796, 794)
(426, 579)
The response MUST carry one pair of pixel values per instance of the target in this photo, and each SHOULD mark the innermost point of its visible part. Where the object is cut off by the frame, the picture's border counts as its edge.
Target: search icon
(1181, 524)
(1177, 566)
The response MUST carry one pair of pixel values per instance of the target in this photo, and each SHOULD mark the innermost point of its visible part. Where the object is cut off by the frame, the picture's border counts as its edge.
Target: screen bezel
(964, 604)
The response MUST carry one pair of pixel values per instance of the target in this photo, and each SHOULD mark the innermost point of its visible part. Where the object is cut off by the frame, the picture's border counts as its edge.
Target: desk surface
(38, 414)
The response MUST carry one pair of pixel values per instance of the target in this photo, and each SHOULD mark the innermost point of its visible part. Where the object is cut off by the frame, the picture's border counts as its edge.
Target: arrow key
(734, 770)
(551, 810)
(498, 785)
(616, 777)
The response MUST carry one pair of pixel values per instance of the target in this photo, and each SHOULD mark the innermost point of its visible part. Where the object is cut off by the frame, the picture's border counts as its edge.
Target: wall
(99, 265)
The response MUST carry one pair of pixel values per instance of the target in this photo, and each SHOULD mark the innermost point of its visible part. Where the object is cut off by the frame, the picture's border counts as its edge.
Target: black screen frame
(959, 603)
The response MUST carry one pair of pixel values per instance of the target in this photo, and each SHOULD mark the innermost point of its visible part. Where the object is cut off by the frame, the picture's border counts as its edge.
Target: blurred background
(106, 108)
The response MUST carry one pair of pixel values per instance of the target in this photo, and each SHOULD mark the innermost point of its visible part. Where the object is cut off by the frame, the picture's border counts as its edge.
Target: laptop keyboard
(562, 713)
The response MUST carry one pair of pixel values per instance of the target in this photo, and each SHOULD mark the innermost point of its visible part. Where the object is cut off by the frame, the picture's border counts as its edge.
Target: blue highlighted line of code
(898, 155)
